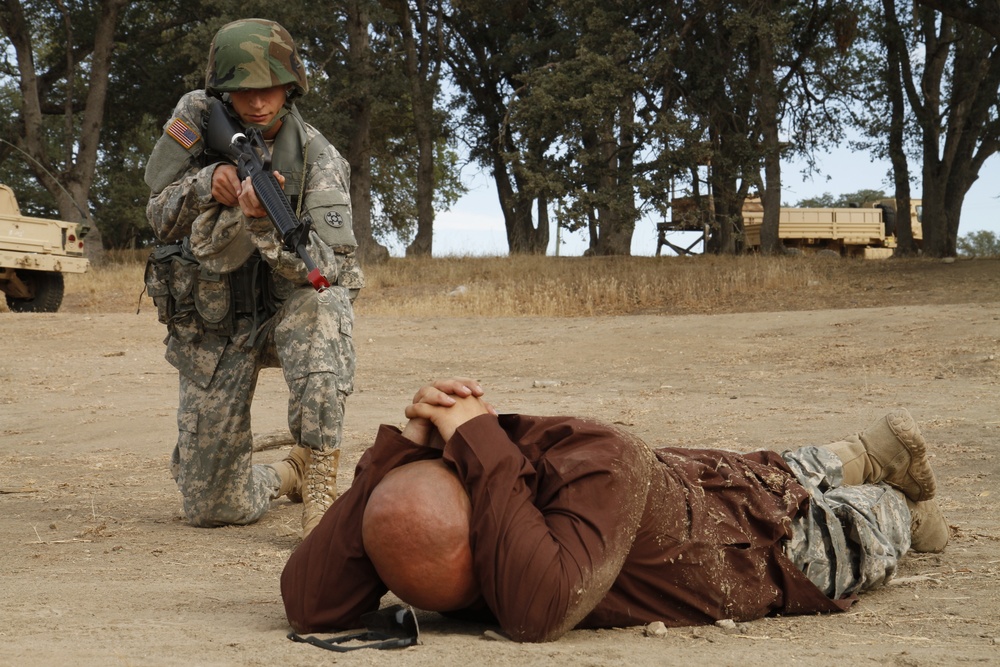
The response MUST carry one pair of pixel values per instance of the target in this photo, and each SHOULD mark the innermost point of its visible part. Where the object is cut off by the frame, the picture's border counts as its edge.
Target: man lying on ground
(554, 523)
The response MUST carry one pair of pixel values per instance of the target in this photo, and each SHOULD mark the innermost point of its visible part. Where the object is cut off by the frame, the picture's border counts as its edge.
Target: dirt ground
(98, 566)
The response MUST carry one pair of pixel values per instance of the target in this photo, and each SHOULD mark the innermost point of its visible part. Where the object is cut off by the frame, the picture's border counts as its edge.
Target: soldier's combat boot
(928, 527)
(891, 450)
(320, 488)
(291, 473)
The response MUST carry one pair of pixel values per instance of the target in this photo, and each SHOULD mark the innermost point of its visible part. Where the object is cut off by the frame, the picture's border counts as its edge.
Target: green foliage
(979, 244)
(862, 198)
(120, 192)
(576, 118)
(394, 187)
(160, 56)
(32, 198)
(161, 50)
(825, 200)
(594, 110)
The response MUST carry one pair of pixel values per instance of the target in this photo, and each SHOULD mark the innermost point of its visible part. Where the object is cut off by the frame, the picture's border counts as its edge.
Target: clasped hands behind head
(438, 409)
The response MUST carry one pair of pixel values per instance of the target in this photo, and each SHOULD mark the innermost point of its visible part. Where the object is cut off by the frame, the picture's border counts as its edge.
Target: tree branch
(985, 15)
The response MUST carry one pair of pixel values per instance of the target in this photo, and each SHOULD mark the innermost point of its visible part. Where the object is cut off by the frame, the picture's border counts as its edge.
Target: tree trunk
(606, 218)
(954, 112)
(770, 243)
(359, 150)
(986, 15)
(616, 214)
(516, 209)
(422, 71)
(906, 245)
(542, 236)
(621, 241)
(933, 219)
(422, 243)
(594, 230)
(524, 237)
(723, 183)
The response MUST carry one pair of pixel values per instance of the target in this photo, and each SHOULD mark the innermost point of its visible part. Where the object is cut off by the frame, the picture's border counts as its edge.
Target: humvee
(34, 255)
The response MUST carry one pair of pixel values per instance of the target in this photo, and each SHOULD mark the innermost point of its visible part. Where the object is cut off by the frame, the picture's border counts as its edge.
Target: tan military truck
(34, 255)
(867, 231)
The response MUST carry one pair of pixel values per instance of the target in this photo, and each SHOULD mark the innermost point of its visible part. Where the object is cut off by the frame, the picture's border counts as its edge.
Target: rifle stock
(246, 150)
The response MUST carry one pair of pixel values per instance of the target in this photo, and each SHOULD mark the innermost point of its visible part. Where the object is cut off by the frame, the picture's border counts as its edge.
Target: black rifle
(247, 150)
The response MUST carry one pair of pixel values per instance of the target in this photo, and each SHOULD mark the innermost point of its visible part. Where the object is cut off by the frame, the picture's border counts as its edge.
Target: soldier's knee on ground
(212, 503)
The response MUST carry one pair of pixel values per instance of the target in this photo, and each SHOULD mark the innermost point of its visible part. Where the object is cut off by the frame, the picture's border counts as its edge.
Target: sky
(474, 225)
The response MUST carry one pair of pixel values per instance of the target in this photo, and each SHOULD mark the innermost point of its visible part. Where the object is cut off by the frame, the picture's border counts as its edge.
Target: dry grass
(573, 286)
(579, 286)
(113, 285)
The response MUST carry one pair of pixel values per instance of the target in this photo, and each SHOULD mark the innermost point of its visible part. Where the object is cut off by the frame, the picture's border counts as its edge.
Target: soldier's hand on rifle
(225, 185)
(229, 191)
(248, 201)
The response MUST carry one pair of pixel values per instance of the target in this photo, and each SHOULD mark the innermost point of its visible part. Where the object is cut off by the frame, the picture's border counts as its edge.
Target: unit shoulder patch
(334, 219)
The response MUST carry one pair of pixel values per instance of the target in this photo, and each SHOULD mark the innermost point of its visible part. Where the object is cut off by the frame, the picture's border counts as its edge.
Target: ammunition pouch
(170, 275)
(192, 300)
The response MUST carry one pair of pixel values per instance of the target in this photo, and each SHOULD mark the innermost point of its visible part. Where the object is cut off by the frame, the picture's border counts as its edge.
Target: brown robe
(576, 524)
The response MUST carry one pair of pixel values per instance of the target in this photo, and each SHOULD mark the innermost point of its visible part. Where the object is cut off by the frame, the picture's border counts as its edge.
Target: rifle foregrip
(275, 203)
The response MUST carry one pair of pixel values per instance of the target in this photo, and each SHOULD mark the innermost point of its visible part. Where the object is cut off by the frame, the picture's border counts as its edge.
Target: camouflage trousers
(309, 338)
(852, 537)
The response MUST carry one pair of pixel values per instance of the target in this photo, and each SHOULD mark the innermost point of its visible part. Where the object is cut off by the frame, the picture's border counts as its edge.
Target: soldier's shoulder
(318, 142)
(192, 105)
(316, 139)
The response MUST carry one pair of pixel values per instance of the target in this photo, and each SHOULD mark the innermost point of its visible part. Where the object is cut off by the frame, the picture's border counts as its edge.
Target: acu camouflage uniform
(235, 301)
(852, 537)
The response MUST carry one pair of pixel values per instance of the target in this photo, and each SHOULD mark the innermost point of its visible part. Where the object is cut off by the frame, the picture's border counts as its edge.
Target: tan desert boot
(928, 528)
(291, 473)
(891, 450)
(320, 488)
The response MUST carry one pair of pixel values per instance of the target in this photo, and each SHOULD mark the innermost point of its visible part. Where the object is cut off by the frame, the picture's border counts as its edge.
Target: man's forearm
(173, 210)
(545, 562)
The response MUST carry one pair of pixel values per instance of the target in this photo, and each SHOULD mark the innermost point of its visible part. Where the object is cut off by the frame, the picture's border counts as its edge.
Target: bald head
(416, 532)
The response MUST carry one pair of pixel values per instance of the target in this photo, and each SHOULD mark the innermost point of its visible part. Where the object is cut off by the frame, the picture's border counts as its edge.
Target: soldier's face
(259, 107)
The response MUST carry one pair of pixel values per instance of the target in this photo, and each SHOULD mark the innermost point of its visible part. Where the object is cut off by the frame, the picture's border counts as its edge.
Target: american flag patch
(182, 133)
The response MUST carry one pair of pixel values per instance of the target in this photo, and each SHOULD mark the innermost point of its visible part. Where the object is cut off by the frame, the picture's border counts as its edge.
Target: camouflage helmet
(253, 54)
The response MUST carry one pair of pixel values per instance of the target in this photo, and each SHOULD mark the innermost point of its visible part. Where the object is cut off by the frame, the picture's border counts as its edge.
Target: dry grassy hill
(578, 286)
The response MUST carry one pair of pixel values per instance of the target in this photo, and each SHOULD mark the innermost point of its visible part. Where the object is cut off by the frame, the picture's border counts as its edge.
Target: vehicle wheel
(828, 253)
(47, 288)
